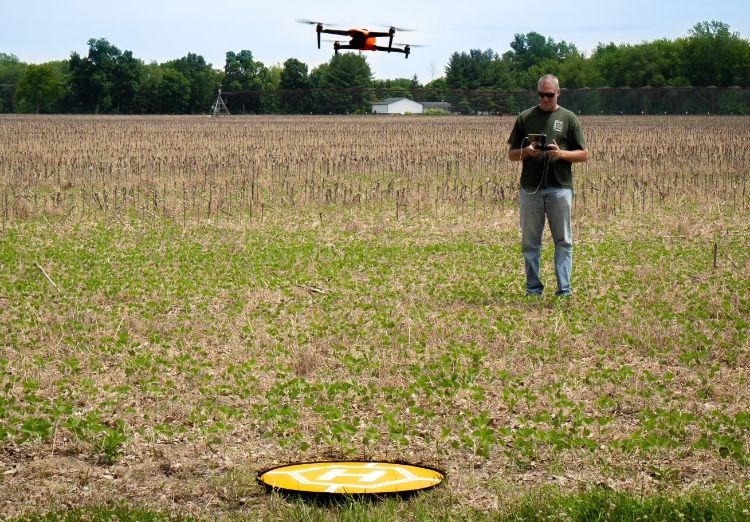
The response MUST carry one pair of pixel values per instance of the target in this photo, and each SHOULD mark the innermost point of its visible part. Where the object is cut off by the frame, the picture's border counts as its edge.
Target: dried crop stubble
(213, 169)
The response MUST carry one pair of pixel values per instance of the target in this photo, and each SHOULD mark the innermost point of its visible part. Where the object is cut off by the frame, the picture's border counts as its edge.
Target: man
(547, 181)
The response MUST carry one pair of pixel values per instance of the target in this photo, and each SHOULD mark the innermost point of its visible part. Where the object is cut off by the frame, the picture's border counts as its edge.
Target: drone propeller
(403, 29)
(309, 22)
(318, 29)
(408, 45)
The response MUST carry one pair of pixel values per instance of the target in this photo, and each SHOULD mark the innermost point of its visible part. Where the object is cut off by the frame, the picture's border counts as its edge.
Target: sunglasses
(549, 95)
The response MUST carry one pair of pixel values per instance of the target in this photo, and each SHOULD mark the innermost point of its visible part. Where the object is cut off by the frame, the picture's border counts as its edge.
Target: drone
(363, 39)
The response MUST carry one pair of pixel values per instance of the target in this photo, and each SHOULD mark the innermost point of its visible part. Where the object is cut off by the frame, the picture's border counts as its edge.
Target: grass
(544, 504)
(364, 337)
(151, 365)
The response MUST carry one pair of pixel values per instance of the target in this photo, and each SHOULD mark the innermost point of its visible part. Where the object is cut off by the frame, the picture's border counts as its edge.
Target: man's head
(548, 89)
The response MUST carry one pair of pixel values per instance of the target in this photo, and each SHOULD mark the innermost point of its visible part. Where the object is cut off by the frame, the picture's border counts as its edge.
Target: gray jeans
(554, 204)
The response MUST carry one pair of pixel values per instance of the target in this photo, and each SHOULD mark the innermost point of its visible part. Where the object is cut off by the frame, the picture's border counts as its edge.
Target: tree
(294, 75)
(532, 49)
(246, 77)
(343, 82)
(147, 100)
(174, 92)
(655, 64)
(125, 80)
(319, 100)
(397, 88)
(436, 91)
(467, 71)
(105, 80)
(716, 56)
(269, 94)
(108, 80)
(11, 70)
(294, 85)
(84, 94)
(202, 80)
(480, 71)
(39, 89)
(577, 72)
(242, 72)
(91, 77)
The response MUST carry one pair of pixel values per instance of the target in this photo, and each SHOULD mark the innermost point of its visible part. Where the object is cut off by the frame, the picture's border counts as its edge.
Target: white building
(397, 106)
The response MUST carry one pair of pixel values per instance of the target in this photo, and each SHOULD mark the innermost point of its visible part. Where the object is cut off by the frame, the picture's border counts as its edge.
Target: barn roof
(388, 101)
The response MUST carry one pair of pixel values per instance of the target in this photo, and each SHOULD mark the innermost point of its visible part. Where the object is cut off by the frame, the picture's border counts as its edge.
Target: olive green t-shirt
(560, 125)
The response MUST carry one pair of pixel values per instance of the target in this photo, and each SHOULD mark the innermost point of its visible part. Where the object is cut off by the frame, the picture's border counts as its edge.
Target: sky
(37, 31)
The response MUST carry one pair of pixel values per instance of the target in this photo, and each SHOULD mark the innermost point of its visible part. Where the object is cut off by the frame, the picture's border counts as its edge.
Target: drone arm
(334, 31)
(406, 50)
(389, 34)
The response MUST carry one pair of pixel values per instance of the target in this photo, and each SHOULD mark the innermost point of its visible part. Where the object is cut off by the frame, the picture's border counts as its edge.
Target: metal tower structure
(219, 108)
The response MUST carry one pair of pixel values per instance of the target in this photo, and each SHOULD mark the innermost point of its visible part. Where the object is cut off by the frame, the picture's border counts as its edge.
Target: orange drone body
(362, 39)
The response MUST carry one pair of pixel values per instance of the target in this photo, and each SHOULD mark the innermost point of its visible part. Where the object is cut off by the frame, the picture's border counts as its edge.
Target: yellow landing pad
(352, 478)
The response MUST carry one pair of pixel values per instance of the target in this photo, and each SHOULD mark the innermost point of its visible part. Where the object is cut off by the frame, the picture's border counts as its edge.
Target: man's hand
(530, 152)
(555, 152)
(523, 153)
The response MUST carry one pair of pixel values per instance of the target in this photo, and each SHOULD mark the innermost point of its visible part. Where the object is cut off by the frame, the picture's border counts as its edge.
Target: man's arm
(573, 156)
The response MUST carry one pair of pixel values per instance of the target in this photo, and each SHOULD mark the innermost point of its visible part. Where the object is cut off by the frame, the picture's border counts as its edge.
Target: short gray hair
(550, 77)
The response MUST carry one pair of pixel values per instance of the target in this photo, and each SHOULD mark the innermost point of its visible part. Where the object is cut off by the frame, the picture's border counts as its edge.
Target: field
(185, 301)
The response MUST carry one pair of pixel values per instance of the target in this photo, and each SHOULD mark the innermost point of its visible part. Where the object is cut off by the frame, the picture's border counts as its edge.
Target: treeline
(706, 71)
